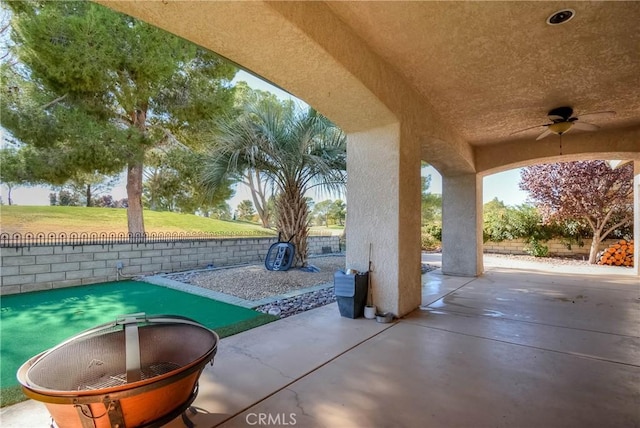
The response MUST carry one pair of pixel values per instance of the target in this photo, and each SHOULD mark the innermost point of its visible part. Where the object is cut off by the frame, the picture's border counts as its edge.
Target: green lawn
(38, 219)
(333, 229)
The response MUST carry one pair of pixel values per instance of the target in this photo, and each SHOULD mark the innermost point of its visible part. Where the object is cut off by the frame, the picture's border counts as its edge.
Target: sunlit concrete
(522, 347)
(513, 348)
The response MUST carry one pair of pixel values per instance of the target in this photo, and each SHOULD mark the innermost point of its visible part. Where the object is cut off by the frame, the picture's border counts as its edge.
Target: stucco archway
(445, 82)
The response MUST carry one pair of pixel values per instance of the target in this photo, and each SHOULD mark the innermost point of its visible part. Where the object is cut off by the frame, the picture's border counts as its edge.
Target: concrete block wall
(41, 268)
(556, 248)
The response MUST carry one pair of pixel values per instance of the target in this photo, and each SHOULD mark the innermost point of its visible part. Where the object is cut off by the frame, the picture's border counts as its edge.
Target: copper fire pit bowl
(137, 371)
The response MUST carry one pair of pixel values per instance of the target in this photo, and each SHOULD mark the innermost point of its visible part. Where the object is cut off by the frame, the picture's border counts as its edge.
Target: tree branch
(57, 100)
(604, 222)
(622, 222)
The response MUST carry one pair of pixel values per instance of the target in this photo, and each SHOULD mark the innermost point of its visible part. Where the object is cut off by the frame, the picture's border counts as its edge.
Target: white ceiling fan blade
(526, 129)
(599, 114)
(544, 134)
(584, 126)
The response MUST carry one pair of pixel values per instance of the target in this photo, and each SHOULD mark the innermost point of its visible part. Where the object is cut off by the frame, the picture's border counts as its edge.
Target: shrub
(428, 241)
(536, 249)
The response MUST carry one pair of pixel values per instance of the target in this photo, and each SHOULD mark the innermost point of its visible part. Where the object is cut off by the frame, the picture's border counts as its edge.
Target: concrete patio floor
(538, 346)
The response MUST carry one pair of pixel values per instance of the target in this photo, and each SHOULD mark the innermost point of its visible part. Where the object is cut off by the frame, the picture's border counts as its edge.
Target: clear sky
(504, 185)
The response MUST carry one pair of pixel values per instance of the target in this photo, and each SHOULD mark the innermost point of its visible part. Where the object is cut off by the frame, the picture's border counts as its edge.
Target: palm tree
(294, 150)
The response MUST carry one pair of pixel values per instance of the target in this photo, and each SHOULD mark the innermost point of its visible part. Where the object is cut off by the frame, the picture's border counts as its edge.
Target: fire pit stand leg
(185, 419)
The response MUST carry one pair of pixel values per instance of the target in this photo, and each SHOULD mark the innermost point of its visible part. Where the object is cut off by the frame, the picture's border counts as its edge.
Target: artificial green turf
(33, 322)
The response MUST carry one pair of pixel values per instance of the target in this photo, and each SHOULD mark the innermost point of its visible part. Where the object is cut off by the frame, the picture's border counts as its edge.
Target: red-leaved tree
(588, 191)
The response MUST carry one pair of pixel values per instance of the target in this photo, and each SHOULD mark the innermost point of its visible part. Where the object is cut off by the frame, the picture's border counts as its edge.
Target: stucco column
(383, 191)
(636, 217)
(462, 225)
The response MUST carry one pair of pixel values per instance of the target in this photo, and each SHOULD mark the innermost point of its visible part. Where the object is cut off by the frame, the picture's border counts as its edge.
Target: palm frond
(294, 149)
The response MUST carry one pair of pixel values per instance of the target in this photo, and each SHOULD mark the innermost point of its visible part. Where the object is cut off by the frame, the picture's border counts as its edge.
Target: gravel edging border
(160, 280)
(198, 291)
(290, 294)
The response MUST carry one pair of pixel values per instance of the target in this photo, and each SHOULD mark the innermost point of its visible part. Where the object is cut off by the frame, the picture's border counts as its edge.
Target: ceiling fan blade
(544, 134)
(584, 126)
(603, 114)
(526, 129)
(555, 117)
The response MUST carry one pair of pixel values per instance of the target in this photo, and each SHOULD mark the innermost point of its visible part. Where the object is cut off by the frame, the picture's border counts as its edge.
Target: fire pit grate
(147, 372)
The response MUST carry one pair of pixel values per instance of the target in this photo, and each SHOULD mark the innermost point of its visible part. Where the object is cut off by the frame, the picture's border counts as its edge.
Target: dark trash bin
(351, 293)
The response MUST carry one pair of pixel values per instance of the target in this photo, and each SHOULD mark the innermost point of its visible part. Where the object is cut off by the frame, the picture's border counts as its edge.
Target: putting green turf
(33, 322)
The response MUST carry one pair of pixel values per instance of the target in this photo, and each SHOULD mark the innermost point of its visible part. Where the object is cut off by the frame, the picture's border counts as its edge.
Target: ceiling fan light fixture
(560, 127)
(561, 16)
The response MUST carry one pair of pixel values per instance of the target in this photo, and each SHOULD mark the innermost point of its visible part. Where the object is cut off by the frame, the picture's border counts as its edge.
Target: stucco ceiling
(492, 68)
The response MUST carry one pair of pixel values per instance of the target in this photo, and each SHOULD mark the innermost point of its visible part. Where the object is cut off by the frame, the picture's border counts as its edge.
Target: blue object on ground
(280, 256)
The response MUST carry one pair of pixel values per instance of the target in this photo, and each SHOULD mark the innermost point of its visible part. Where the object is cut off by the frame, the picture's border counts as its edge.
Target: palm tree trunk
(293, 221)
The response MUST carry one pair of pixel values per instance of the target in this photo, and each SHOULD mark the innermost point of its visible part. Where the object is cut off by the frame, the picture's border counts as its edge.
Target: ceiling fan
(562, 121)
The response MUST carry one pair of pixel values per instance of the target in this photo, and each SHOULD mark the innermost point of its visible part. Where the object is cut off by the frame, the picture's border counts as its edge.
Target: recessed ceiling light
(561, 16)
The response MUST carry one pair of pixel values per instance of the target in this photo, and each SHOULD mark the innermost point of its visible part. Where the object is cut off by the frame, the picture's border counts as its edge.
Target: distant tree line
(66, 198)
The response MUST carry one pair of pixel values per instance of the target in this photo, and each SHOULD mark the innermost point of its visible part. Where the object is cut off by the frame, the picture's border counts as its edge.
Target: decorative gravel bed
(255, 282)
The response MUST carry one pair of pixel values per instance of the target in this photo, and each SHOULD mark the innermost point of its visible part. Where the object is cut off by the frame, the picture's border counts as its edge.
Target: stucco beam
(612, 144)
(263, 41)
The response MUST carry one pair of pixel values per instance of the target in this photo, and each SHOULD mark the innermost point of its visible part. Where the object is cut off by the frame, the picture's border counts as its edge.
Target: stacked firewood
(618, 254)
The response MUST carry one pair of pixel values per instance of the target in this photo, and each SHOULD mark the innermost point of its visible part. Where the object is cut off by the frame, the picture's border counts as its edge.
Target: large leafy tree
(94, 90)
(295, 150)
(321, 212)
(431, 203)
(587, 191)
(172, 183)
(14, 170)
(245, 210)
(89, 187)
(338, 211)
(326, 210)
